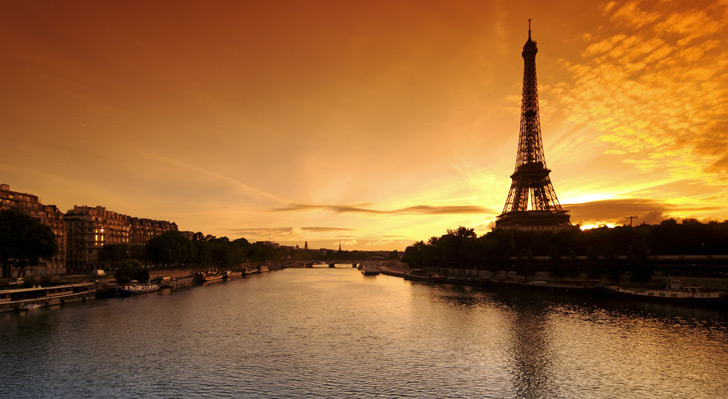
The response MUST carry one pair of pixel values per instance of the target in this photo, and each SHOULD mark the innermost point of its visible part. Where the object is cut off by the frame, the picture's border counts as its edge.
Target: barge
(423, 276)
(208, 277)
(675, 292)
(229, 275)
(178, 282)
(589, 287)
(369, 270)
(136, 288)
(31, 298)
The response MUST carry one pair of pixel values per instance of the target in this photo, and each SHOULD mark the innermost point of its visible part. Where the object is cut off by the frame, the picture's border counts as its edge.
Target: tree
(114, 254)
(414, 255)
(170, 248)
(529, 264)
(593, 266)
(222, 253)
(130, 270)
(24, 241)
(638, 264)
(610, 263)
(504, 246)
(573, 268)
(521, 263)
(462, 232)
(555, 262)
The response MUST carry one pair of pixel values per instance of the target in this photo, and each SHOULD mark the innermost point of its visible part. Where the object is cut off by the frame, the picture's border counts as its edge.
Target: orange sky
(367, 123)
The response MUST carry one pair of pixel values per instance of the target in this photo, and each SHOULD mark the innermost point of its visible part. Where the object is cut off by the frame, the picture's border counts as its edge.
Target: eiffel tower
(531, 177)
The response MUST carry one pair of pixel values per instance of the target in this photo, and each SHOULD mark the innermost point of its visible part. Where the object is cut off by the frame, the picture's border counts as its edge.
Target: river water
(334, 333)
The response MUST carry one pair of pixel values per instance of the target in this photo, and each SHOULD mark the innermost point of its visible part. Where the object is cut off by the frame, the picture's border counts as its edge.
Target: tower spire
(530, 180)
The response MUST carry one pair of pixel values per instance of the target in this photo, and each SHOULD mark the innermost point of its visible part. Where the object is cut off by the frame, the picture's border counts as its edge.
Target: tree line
(25, 240)
(173, 249)
(516, 250)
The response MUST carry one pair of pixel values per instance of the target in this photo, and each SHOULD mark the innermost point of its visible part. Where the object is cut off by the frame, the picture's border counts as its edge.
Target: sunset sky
(368, 123)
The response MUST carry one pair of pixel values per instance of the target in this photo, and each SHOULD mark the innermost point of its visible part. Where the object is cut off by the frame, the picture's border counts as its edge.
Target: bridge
(332, 263)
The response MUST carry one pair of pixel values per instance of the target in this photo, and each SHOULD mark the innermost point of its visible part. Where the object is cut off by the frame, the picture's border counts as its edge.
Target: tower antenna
(529, 29)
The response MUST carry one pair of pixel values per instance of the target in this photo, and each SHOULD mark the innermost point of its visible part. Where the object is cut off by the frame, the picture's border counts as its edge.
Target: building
(82, 231)
(88, 230)
(49, 215)
(190, 235)
(142, 230)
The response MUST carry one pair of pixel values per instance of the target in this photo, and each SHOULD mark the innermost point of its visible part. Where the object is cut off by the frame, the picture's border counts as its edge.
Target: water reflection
(529, 349)
(336, 333)
(614, 349)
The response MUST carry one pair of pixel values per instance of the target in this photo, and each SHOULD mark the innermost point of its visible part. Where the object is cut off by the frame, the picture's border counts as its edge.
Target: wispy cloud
(378, 243)
(412, 210)
(290, 230)
(226, 179)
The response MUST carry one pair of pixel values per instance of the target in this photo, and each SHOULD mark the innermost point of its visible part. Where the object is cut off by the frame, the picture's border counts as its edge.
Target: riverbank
(684, 291)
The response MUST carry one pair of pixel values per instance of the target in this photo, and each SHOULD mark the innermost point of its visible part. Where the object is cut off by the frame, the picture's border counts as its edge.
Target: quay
(689, 291)
(30, 298)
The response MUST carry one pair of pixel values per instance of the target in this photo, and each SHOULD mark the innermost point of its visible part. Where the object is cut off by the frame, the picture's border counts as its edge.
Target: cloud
(720, 166)
(378, 242)
(655, 88)
(228, 180)
(617, 210)
(280, 233)
(630, 14)
(412, 210)
(291, 229)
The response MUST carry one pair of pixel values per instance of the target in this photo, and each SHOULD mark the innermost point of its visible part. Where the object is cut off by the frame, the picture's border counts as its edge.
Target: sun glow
(596, 226)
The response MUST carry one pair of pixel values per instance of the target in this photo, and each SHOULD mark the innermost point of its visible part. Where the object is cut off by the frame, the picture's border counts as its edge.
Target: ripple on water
(333, 333)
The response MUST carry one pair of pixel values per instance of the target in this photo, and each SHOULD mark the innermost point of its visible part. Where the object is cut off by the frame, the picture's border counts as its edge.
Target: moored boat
(674, 292)
(135, 288)
(369, 270)
(423, 276)
(178, 282)
(229, 275)
(575, 286)
(206, 277)
(32, 298)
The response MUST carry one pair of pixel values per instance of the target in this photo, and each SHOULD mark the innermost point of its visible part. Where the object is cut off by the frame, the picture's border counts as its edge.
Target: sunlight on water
(334, 333)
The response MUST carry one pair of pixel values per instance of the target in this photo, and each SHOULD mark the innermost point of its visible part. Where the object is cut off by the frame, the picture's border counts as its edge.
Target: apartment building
(82, 231)
(88, 230)
(49, 215)
(142, 230)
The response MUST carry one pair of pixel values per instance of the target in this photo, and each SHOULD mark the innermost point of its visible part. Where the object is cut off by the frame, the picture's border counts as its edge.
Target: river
(334, 333)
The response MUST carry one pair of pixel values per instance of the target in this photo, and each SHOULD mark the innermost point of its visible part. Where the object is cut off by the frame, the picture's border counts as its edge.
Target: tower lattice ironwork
(531, 176)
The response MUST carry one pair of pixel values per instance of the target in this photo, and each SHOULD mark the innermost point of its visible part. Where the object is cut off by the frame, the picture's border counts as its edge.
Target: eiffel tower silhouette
(531, 176)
